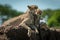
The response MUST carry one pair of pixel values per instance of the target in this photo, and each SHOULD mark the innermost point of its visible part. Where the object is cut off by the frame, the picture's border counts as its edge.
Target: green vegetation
(53, 17)
(7, 11)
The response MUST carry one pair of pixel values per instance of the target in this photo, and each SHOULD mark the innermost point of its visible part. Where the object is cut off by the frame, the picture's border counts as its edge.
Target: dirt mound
(14, 34)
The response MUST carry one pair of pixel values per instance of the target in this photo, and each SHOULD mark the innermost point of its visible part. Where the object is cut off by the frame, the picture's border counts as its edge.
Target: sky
(21, 5)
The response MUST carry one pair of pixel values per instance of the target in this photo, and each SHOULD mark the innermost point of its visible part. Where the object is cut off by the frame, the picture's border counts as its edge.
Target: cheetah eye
(8, 25)
(32, 11)
(36, 7)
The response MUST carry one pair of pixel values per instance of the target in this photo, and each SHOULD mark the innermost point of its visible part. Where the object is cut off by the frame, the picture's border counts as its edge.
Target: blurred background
(50, 8)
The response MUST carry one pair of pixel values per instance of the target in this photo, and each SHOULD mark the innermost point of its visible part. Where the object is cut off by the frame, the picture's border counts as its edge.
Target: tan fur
(21, 20)
(15, 19)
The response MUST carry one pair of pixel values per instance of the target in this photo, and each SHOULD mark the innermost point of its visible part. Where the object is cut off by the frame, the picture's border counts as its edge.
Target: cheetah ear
(28, 6)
